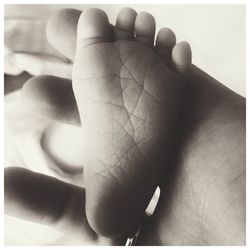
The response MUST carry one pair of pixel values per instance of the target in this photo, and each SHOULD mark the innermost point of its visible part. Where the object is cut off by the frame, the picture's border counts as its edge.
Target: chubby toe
(125, 24)
(181, 57)
(93, 27)
(145, 28)
(165, 41)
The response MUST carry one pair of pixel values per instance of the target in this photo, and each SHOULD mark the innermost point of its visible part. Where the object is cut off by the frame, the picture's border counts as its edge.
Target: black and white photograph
(124, 124)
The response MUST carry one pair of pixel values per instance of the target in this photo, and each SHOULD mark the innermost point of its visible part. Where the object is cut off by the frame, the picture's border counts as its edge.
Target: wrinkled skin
(128, 109)
(205, 203)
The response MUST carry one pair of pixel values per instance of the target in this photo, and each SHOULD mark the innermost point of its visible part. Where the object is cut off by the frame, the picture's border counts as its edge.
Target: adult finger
(61, 31)
(52, 98)
(46, 200)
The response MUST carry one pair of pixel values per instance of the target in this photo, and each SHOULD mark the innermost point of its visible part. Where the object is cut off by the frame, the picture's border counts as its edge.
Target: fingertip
(51, 98)
(61, 31)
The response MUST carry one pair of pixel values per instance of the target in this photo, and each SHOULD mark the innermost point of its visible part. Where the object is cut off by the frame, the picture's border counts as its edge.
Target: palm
(204, 204)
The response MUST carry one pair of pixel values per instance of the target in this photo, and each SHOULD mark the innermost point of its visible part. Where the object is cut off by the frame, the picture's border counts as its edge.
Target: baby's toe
(181, 57)
(165, 42)
(93, 27)
(145, 28)
(125, 24)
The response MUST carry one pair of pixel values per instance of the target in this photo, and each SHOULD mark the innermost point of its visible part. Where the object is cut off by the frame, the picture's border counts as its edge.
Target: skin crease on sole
(203, 92)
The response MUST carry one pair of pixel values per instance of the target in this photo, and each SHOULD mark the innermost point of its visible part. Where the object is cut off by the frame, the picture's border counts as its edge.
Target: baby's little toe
(181, 57)
(145, 28)
(125, 24)
(165, 42)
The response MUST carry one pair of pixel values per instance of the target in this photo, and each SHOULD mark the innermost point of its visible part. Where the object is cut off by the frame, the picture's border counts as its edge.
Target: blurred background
(217, 37)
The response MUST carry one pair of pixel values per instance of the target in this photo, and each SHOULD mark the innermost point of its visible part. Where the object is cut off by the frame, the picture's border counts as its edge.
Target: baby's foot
(129, 94)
